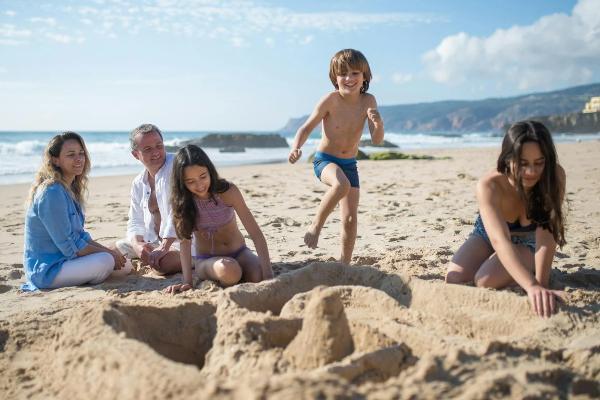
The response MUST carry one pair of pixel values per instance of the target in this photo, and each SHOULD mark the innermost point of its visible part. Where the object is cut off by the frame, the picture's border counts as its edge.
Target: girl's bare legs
(225, 270)
(228, 271)
(339, 186)
(250, 264)
(468, 259)
(349, 214)
(492, 273)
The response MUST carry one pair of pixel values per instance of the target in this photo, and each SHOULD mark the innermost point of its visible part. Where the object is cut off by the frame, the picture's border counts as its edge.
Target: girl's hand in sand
(182, 287)
(543, 301)
(295, 155)
(373, 115)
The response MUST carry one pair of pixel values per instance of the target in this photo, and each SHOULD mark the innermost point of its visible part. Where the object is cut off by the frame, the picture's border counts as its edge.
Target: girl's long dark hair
(182, 200)
(544, 201)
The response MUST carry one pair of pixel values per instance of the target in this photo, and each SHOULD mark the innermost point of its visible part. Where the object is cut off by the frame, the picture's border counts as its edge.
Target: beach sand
(385, 327)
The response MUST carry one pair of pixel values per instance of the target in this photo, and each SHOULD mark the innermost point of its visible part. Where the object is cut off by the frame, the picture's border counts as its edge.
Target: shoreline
(132, 169)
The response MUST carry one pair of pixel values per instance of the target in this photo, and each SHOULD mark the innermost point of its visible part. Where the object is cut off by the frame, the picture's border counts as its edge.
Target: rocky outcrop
(232, 149)
(235, 141)
(369, 143)
(572, 123)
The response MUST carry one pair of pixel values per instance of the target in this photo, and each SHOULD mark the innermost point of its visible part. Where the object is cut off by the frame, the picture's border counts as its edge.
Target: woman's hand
(119, 259)
(174, 289)
(543, 301)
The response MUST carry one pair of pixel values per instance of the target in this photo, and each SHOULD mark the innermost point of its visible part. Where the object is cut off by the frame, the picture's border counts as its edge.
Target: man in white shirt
(150, 231)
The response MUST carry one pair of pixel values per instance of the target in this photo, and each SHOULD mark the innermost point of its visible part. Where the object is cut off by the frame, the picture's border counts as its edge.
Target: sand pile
(324, 329)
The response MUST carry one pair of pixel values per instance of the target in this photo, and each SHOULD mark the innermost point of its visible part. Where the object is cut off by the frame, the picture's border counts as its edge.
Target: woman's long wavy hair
(49, 173)
(544, 201)
(182, 200)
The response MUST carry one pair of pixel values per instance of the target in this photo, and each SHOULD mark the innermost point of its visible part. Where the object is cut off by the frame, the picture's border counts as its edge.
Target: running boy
(343, 113)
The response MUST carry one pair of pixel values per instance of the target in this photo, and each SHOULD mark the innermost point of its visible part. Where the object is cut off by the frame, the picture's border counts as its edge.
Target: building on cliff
(592, 106)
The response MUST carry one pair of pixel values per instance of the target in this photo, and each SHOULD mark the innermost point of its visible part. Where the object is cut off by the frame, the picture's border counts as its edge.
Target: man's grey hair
(142, 130)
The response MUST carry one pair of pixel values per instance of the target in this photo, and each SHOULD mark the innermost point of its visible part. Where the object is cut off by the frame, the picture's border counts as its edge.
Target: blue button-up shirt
(53, 234)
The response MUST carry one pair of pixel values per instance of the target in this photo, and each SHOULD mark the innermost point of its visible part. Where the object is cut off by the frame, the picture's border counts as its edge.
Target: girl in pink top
(205, 206)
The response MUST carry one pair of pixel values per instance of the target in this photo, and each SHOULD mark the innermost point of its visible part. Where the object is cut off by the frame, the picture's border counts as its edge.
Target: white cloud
(202, 18)
(307, 39)
(270, 42)
(375, 78)
(18, 85)
(243, 19)
(400, 78)
(555, 49)
(237, 41)
(47, 21)
(10, 35)
(10, 13)
(62, 38)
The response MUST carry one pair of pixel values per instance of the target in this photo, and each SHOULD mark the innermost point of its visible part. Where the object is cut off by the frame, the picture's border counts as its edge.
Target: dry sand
(386, 327)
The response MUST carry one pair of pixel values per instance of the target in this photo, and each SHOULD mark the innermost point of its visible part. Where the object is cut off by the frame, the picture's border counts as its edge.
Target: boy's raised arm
(304, 131)
(375, 121)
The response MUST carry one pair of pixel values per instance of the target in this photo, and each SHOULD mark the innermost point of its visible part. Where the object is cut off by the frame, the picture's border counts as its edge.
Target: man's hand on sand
(294, 155)
(155, 256)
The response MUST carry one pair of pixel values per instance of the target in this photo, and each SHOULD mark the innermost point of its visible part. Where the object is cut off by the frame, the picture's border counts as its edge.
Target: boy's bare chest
(345, 119)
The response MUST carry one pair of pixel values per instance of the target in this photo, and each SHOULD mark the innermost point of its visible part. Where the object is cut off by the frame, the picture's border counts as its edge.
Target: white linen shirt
(141, 221)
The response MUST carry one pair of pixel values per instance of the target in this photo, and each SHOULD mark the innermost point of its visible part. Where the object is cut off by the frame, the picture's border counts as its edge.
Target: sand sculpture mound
(321, 331)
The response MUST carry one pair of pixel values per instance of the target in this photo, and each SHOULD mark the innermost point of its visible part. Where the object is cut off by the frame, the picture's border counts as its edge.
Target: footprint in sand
(397, 238)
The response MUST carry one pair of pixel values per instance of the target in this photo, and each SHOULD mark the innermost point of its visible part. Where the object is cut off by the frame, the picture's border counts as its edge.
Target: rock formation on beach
(235, 141)
(368, 143)
(572, 123)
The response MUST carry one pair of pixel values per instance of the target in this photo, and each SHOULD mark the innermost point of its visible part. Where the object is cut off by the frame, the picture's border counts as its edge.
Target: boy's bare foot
(311, 237)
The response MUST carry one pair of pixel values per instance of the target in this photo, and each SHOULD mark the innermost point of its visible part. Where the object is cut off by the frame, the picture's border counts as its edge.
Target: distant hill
(488, 115)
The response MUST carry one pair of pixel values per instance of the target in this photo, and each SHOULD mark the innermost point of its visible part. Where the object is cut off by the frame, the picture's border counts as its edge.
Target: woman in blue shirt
(58, 251)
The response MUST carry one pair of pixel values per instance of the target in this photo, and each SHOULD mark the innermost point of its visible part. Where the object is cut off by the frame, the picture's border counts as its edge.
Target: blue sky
(251, 65)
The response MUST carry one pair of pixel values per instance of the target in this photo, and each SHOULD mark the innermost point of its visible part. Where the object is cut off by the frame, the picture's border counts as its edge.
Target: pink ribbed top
(211, 215)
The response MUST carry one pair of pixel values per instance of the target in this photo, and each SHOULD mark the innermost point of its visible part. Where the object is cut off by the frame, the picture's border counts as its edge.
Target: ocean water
(21, 152)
